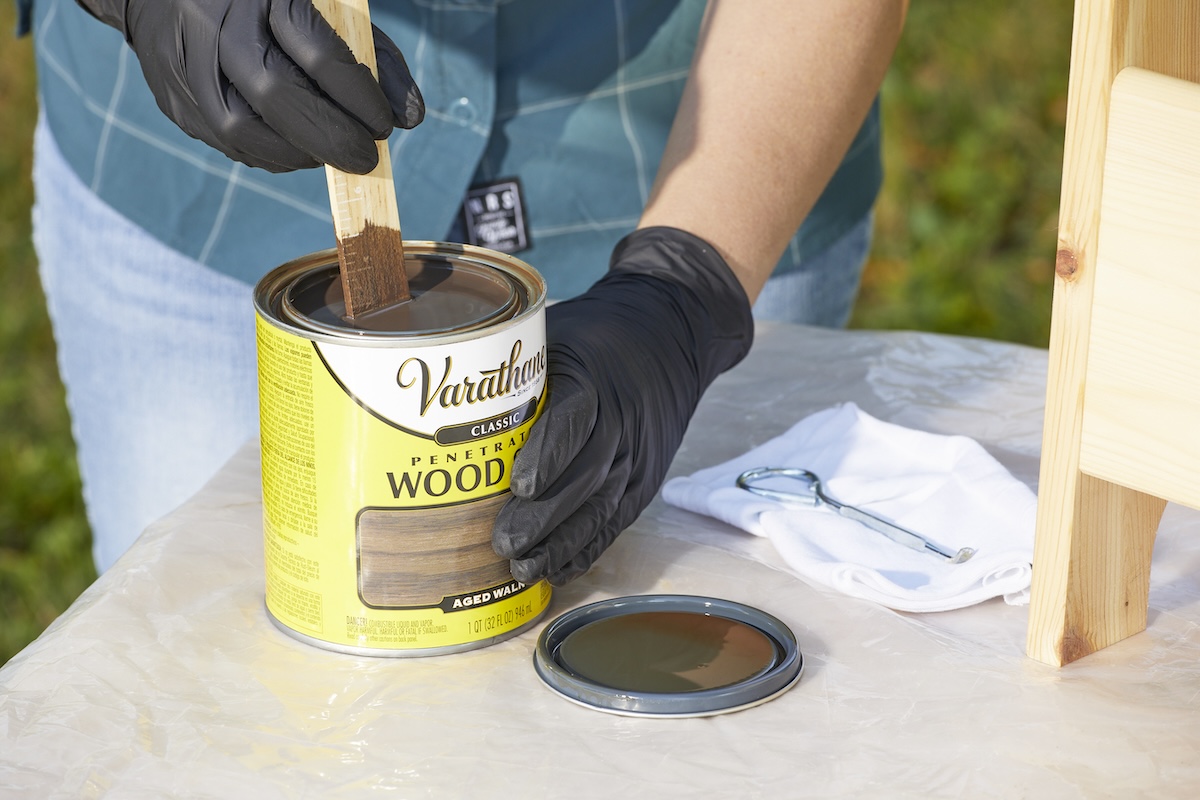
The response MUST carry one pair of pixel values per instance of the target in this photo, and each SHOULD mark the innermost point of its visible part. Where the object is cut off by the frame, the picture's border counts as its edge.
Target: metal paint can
(387, 446)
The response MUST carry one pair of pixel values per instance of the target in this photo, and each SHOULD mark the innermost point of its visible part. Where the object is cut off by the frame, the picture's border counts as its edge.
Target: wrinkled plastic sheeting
(167, 679)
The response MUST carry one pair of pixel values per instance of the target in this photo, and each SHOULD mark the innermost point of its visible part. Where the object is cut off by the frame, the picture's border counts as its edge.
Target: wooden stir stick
(366, 216)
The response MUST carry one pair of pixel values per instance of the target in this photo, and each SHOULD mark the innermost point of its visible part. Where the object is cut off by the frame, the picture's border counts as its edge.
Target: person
(672, 156)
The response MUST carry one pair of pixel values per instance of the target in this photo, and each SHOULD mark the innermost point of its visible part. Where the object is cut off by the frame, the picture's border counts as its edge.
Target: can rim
(782, 675)
(268, 295)
(290, 305)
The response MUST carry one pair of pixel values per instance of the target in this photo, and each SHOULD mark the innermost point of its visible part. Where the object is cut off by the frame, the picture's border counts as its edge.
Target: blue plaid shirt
(575, 99)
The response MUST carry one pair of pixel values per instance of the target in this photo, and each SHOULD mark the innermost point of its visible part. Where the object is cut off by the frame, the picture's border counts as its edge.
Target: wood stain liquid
(387, 446)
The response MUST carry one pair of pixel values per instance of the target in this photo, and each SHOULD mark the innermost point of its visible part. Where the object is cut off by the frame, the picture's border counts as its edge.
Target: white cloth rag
(946, 488)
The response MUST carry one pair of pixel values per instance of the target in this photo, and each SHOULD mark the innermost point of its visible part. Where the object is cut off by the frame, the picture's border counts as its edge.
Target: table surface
(167, 679)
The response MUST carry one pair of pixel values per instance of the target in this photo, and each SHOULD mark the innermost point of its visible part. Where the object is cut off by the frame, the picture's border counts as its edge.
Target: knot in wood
(1066, 264)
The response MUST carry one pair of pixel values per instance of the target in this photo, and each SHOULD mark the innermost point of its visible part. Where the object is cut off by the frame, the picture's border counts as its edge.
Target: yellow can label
(383, 469)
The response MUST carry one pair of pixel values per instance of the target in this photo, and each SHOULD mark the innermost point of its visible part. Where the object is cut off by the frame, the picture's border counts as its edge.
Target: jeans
(822, 291)
(157, 351)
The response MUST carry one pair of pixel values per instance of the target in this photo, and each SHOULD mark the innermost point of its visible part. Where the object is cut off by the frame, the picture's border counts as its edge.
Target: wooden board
(1141, 420)
(1090, 576)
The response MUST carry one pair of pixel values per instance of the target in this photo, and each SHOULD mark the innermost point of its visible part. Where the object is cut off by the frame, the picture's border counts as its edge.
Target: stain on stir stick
(372, 269)
(366, 215)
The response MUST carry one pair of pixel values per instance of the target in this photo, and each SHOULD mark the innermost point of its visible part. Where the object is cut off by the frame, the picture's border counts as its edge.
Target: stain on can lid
(668, 656)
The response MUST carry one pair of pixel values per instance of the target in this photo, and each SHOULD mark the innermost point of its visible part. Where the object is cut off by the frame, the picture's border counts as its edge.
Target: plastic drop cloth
(166, 678)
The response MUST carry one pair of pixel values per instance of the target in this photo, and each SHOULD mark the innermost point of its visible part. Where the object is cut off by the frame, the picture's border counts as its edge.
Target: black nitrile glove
(266, 82)
(628, 361)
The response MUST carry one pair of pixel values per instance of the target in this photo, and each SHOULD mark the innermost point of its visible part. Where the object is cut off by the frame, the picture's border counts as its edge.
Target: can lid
(447, 296)
(668, 656)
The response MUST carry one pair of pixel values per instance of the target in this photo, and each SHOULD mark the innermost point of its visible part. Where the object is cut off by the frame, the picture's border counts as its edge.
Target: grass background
(45, 546)
(973, 124)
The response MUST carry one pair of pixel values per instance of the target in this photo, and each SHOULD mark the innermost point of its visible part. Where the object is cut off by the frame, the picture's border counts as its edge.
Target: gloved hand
(627, 363)
(266, 82)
